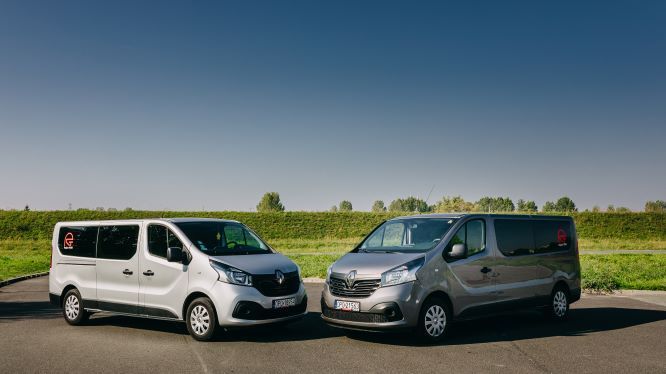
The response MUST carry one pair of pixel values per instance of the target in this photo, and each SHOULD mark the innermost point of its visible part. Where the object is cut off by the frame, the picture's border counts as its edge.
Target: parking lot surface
(603, 334)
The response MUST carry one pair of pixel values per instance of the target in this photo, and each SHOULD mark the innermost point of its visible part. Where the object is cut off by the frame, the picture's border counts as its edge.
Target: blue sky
(207, 105)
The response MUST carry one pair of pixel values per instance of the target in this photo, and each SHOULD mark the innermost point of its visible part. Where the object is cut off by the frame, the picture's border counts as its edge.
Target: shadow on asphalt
(27, 310)
(526, 325)
(515, 326)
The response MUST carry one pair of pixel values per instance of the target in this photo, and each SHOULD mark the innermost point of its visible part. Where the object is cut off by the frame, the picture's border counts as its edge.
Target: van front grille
(360, 288)
(268, 285)
(354, 316)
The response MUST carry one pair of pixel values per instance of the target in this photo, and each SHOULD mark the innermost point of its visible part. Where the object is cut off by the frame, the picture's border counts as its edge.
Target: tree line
(270, 202)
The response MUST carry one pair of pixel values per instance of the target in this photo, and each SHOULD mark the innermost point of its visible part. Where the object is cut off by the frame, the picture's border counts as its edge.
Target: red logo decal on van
(68, 243)
(561, 236)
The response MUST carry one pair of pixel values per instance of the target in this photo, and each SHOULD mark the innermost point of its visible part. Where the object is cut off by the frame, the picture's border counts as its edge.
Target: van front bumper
(238, 306)
(388, 308)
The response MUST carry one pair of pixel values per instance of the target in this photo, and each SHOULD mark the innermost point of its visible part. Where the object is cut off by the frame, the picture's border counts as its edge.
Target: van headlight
(403, 273)
(230, 274)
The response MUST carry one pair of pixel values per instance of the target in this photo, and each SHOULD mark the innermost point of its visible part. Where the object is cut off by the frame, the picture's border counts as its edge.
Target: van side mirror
(458, 251)
(174, 254)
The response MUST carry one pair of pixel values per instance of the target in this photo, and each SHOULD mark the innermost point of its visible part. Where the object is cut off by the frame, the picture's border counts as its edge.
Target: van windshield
(407, 235)
(223, 238)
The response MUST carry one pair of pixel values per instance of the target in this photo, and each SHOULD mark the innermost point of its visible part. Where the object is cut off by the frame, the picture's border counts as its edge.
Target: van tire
(558, 308)
(434, 319)
(72, 308)
(201, 319)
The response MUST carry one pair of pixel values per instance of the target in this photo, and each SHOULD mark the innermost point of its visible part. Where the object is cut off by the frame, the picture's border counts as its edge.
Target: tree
(453, 204)
(526, 206)
(565, 205)
(378, 206)
(345, 206)
(495, 204)
(548, 207)
(596, 209)
(99, 209)
(611, 208)
(658, 206)
(111, 210)
(270, 202)
(27, 208)
(410, 204)
(334, 209)
(622, 209)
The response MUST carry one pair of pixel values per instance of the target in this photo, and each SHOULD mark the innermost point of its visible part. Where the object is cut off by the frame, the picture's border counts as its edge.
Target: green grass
(624, 244)
(600, 272)
(628, 271)
(22, 257)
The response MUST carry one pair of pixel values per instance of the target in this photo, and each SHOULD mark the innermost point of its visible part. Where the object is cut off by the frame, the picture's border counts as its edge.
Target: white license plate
(284, 303)
(350, 306)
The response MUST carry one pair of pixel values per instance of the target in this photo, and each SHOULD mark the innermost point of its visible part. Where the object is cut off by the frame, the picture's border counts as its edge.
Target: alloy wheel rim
(435, 320)
(199, 320)
(560, 303)
(72, 307)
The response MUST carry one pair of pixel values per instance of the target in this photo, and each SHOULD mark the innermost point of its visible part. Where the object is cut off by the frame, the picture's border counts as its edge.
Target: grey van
(425, 271)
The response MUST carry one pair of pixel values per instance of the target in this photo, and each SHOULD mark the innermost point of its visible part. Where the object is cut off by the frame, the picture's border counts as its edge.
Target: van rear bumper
(54, 299)
(575, 295)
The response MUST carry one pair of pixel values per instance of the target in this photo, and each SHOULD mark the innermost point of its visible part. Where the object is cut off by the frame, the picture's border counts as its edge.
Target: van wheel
(72, 308)
(201, 320)
(434, 319)
(559, 304)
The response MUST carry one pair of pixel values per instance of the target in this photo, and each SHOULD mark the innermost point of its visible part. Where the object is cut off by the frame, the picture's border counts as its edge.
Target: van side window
(117, 242)
(551, 236)
(476, 237)
(514, 236)
(160, 238)
(473, 235)
(79, 241)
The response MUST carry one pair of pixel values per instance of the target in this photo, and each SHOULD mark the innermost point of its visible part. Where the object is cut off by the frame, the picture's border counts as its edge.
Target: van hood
(259, 264)
(371, 264)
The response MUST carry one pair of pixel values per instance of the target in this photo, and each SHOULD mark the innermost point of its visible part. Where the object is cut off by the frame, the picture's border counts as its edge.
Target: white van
(207, 272)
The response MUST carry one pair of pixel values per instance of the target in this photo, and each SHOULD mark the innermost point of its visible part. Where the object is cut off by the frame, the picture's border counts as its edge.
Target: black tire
(434, 319)
(72, 308)
(201, 319)
(558, 308)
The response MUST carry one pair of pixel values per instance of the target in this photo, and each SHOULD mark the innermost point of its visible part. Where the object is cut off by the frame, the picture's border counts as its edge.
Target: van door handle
(148, 273)
(128, 272)
(486, 270)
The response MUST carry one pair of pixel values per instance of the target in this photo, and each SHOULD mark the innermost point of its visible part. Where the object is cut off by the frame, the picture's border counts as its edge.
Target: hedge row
(313, 225)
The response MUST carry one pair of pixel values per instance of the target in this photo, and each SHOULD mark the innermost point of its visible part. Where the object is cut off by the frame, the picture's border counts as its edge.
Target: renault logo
(350, 278)
(279, 277)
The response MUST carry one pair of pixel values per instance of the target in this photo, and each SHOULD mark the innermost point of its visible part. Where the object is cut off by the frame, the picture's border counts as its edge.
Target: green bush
(37, 225)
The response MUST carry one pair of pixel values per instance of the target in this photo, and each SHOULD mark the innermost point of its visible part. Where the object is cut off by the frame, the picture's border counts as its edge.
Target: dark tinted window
(117, 242)
(160, 238)
(551, 236)
(514, 237)
(472, 234)
(78, 241)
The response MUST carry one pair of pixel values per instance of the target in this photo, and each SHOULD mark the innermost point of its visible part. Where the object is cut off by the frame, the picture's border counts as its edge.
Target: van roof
(172, 220)
(462, 215)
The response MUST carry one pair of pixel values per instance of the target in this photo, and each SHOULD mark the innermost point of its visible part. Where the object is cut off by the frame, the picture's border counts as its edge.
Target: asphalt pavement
(603, 334)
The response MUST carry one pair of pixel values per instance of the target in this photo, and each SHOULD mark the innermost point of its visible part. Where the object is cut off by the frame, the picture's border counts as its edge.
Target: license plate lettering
(284, 303)
(349, 306)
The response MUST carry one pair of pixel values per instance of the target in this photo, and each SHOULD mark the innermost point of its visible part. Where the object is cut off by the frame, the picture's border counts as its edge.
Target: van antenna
(428, 198)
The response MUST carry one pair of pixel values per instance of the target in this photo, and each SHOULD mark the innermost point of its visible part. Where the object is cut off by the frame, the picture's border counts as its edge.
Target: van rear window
(522, 237)
(551, 236)
(79, 241)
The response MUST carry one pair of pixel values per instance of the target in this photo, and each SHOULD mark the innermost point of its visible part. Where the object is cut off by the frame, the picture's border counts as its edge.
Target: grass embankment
(600, 272)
